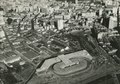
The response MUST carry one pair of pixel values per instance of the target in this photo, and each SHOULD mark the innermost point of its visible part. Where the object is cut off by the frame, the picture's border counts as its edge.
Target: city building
(60, 41)
(60, 24)
(112, 22)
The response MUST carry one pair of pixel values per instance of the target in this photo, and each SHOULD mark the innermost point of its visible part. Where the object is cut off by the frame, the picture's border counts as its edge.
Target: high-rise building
(1, 16)
(76, 1)
(2, 35)
(59, 24)
(112, 22)
(100, 11)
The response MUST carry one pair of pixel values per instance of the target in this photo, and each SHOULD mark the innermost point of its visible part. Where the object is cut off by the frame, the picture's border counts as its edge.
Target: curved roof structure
(80, 65)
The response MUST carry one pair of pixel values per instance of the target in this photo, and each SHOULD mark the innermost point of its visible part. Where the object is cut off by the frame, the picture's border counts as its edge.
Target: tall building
(76, 1)
(60, 24)
(2, 22)
(100, 11)
(112, 22)
(2, 35)
(109, 2)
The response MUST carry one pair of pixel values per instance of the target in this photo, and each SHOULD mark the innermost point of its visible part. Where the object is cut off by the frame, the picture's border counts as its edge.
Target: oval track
(81, 65)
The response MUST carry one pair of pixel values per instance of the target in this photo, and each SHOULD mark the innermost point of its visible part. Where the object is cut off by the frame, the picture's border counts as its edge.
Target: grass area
(103, 80)
(25, 73)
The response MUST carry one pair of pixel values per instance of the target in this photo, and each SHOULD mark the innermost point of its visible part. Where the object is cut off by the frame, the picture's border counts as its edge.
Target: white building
(2, 22)
(115, 10)
(1, 33)
(60, 24)
(76, 2)
(67, 17)
(89, 14)
(112, 22)
(100, 12)
(108, 2)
